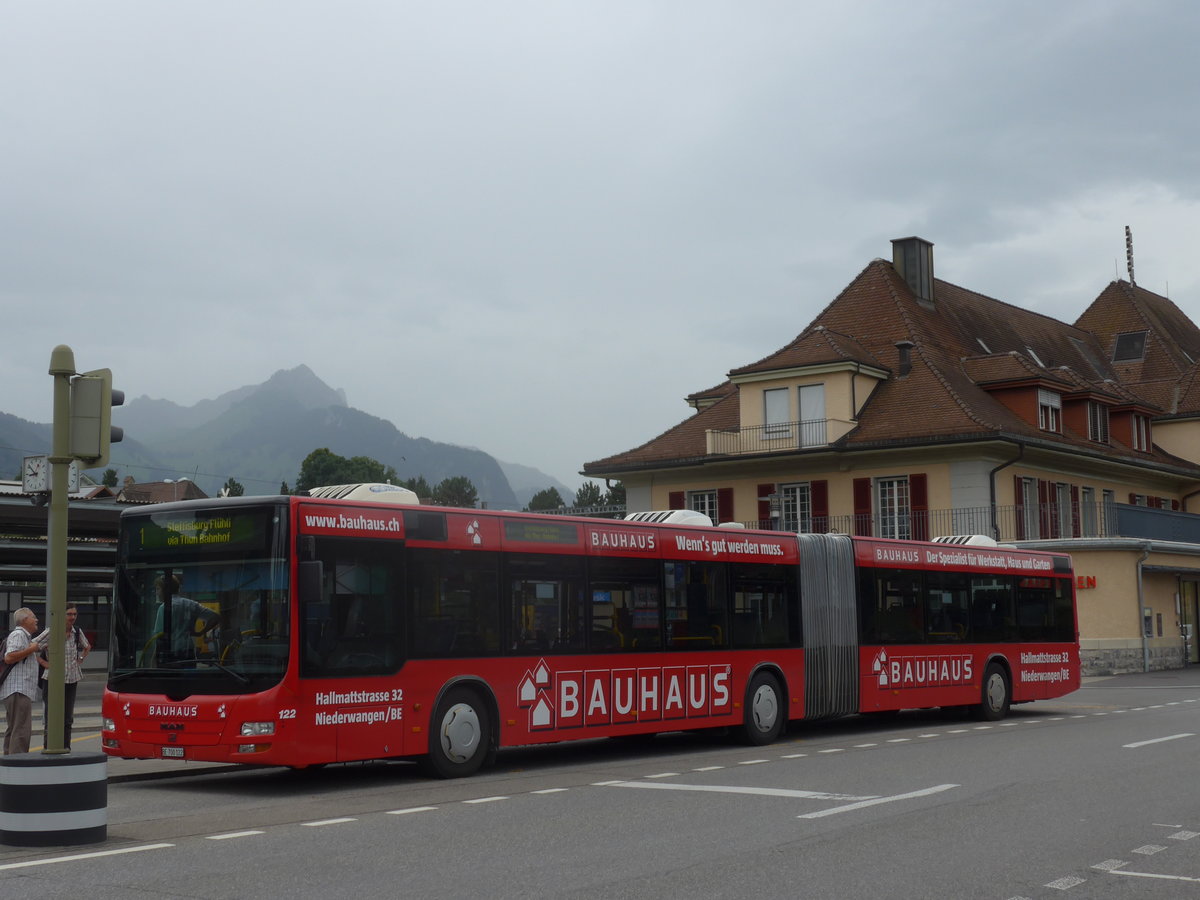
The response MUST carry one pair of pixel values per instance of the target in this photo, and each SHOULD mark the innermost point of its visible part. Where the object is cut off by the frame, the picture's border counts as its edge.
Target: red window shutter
(764, 505)
(724, 505)
(1175, 505)
(676, 499)
(1133, 499)
(1019, 506)
(862, 506)
(1076, 528)
(1156, 502)
(818, 493)
(918, 506)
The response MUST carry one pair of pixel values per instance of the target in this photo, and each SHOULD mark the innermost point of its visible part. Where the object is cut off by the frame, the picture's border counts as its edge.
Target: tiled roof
(815, 346)
(959, 343)
(160, 491)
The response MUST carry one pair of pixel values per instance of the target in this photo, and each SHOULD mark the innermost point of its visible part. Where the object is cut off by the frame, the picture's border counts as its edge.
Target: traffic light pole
(62, 367)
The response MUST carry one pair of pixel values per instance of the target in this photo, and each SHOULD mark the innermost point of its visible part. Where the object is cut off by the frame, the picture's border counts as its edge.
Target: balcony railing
(775, 438)
(1010, 523)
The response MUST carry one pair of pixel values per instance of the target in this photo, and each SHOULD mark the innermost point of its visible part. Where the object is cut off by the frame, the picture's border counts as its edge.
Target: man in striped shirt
(20, 687)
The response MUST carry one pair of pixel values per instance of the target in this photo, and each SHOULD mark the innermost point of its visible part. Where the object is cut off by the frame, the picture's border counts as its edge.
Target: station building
(912, 408)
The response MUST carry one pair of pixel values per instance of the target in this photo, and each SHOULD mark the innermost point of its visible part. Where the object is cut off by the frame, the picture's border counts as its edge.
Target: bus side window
(896, 615)
(546, 597)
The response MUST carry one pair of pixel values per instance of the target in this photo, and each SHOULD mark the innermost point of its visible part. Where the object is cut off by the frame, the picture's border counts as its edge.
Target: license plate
(173, 752)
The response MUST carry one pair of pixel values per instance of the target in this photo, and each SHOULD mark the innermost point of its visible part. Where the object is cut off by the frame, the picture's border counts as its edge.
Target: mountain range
(259, 435)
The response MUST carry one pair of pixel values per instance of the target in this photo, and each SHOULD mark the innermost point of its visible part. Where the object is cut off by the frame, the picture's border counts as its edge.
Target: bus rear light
(107, 724)
(253, 748)
(112, 743)
(251, 729)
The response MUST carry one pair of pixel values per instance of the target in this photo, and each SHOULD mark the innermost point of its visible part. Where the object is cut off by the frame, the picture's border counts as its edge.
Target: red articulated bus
(299, 631)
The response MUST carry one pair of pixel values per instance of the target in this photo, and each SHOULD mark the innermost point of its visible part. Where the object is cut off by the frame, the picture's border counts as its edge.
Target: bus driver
(185, 612)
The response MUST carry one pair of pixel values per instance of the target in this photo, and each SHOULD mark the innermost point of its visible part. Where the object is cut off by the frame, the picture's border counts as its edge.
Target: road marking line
(899, 740)
(785, 756)
(1149, 849)
(664, 775)
(485, 800)
(233, 834)
(752, 762)
(1066, 883)
(864, 746)
(606, 783)
(75, 856)
(1155, 875)
(323, 822)
(715, 768)
(736, 789)
(1183, 835)
(1109, 864)
(551, 791)
(411, 809)
(834, 750)
(875, 801)
(1173, 737)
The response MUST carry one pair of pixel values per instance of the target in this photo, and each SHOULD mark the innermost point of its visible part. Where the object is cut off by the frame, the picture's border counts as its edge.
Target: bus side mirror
(311, 581)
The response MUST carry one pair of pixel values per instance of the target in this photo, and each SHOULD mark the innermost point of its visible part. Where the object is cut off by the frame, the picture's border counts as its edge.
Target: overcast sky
(534, 228)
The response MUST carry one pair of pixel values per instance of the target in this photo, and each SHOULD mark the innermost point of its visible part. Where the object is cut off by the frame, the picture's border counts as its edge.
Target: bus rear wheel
(765, 716)
(993, 705)
(460, 736)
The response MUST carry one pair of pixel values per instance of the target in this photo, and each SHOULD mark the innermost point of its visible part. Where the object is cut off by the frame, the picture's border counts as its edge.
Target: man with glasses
(75, 645)
(20, 687)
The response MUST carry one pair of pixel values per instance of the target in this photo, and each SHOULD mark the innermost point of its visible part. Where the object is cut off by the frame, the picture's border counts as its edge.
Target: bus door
(828, 598)
(350, 649)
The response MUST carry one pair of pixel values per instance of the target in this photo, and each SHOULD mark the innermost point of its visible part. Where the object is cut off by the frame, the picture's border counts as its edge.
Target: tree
(233, 488)
(588, 495)
(109, 479)
(324, 467)
(456, 491)
(418, 486)
(615, 495)
(549, 498)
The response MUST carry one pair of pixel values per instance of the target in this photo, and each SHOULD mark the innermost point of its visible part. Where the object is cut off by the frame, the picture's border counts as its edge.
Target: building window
(1049, 411)
(892, 501)
(704, 502)
(775, 413)
(1087, 511)
(797, 507)
(1130, 347)
(812, 415)
(1063, 511)
(1140, 427)
(1097, 422)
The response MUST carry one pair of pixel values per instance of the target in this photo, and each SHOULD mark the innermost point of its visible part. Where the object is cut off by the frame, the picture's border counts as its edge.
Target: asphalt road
(1089, 796)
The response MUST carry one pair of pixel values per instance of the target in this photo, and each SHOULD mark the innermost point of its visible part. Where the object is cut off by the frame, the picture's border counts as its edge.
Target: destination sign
(199, 531)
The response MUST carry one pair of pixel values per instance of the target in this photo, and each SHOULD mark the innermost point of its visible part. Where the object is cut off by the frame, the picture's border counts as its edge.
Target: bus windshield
(201, 600)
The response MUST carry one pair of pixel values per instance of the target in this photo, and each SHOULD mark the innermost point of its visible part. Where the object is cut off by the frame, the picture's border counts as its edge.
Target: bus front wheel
(996, 697)
(461, 735)
(765, 715)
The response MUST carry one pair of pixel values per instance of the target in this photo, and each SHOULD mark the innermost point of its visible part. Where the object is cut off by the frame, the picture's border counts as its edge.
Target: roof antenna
(1129, 255)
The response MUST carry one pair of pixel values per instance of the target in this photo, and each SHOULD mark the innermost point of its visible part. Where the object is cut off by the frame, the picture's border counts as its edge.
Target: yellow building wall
(1179, 438)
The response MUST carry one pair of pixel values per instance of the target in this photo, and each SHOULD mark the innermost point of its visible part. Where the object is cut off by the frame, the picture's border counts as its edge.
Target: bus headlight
(250, 729)
(107, 724)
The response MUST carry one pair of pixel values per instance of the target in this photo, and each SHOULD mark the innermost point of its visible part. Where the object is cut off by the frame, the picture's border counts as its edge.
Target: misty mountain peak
(302, 386)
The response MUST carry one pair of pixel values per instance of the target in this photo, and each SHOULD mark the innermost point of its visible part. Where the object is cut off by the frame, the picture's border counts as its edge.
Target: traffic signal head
(92, 400)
